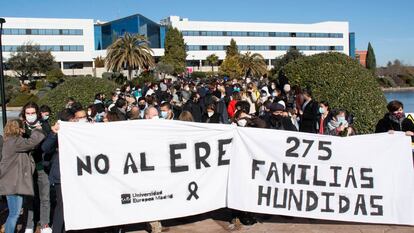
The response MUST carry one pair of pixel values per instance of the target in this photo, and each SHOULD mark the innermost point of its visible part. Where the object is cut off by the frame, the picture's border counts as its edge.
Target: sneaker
(28, 231)
(46, 230)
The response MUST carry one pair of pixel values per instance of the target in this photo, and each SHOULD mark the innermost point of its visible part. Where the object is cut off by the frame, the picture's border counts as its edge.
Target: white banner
(368, 178)
(137, 171)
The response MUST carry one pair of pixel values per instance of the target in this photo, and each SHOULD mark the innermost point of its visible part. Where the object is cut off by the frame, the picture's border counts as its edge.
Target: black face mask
(141, 107)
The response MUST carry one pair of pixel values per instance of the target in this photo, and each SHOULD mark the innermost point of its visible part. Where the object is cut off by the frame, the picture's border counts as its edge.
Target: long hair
(30, 105)
(13, 128)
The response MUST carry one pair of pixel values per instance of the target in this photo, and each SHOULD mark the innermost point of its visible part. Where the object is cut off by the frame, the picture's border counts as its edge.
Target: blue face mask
(164, 115)
(236, 89)
(321, 110)
(341, 120)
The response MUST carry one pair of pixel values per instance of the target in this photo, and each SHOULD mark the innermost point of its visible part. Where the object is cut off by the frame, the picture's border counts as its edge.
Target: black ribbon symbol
(192, 187)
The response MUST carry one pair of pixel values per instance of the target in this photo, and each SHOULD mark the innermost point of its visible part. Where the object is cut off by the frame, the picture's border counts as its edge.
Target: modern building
(76, 42)
(71, 41)
(269, 39)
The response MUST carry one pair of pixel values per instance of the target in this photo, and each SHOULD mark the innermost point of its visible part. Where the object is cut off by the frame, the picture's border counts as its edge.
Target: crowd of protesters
(30, 143)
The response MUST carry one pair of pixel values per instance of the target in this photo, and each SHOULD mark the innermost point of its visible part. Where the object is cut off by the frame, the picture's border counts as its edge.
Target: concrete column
(200, 65)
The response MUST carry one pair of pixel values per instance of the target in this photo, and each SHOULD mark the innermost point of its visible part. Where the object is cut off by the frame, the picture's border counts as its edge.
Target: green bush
(40, 84)
(340, 80)
(198, 74)
(54, 75)
(116, 77)
(81, 88)
(143, 78)
(21, 99)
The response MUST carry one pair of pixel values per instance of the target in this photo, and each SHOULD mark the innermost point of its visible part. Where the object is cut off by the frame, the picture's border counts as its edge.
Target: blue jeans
(14, 202)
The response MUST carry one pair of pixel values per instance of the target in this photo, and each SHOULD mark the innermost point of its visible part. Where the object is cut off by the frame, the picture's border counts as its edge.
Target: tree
(212, 60)
(232, 49)
(371, 61)
(253, 64)
(29, 60)
(163, 68)
(174, 52)
(344, 83)
(231, 67)
(291, 55)
(131, 52)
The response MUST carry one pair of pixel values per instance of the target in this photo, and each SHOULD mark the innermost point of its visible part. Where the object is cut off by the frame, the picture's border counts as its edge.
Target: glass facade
(52, 48)
(352, 44)
(135, 24)
(262, 34)
(163, 31)
(32, 31)
(98, 37)
(265, 48)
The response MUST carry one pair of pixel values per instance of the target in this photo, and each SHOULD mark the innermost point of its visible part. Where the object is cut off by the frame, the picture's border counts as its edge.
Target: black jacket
(309, 118)
(390, 122)
(281, 123)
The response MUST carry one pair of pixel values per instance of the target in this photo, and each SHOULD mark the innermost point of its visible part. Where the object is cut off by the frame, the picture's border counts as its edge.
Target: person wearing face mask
(279, 119)
(45, 112)
(165, 111)
(211, 116)
(338, 126)
(142, 105)
(324, 118)
(33, 120)
(243, 119)
(395, 120)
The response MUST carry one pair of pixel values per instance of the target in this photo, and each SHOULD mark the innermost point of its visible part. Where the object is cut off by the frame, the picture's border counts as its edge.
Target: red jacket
(231, 109)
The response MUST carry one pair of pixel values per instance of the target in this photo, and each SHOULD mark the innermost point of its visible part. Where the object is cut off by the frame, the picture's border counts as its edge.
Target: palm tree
(212, 60)
(253, 64)
(130, 52)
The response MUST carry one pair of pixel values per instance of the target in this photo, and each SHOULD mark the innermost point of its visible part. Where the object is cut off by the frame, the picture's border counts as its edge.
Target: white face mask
(210, 114)
(31, 118)
(155, 118)
(242, 122)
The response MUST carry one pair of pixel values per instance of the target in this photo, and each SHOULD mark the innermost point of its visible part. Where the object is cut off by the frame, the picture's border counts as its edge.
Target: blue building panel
(98, 37)
(352, 44)
(163, 31)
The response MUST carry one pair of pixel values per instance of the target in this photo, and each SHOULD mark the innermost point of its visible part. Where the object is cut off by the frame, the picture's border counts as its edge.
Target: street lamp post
(2, 95)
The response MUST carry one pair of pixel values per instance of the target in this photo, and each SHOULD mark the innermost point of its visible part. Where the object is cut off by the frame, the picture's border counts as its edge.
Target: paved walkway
(219, 222)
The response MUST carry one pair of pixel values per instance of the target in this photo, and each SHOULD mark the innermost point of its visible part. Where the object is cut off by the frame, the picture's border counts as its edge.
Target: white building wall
(323, 27)
(87, 39)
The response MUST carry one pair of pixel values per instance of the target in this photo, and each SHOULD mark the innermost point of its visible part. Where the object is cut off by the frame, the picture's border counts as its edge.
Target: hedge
(21, 99)
(82, 89)
(344, 83)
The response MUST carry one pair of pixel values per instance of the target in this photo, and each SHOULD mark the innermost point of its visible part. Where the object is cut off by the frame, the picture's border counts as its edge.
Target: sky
(387, 24)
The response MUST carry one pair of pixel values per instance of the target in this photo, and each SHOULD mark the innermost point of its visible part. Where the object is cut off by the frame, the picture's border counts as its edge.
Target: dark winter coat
(309, 118)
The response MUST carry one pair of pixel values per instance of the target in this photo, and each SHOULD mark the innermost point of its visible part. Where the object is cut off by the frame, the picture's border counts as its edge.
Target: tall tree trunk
(129, 73)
